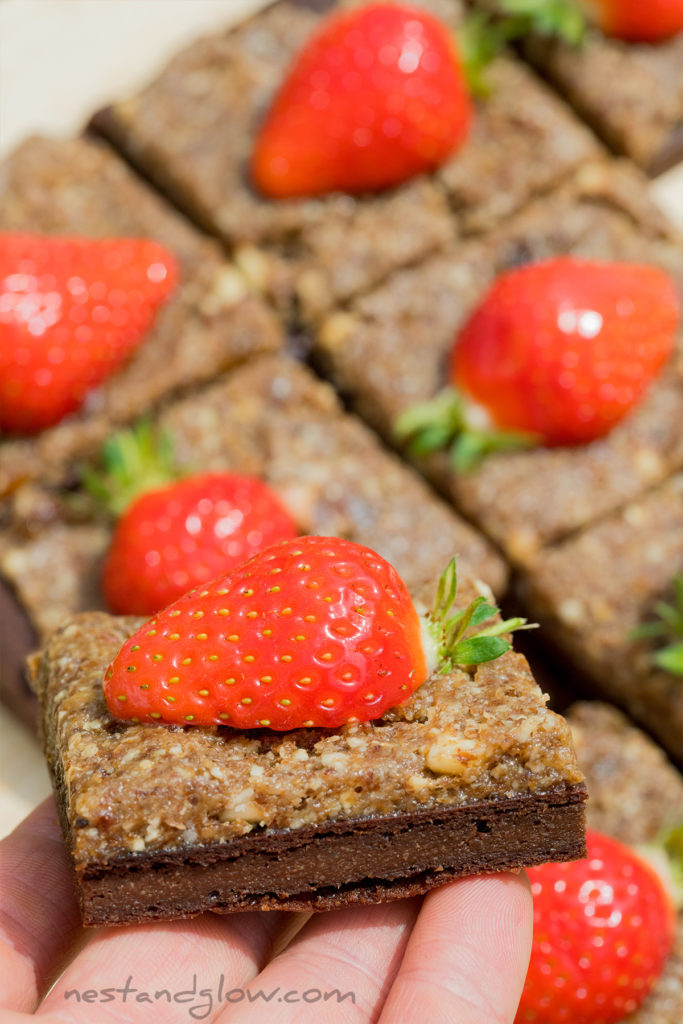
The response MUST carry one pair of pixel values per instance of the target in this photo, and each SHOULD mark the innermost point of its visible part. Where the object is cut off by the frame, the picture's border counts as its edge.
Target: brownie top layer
(641, 113)
(193, 130)
(461, 737)
(81, 187)
(634, 791)
(390, 351)
(602, 583)
(598, 586)
(273, 419)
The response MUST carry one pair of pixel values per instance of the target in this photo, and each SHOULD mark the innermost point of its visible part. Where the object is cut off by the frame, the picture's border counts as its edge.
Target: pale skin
(458, 955)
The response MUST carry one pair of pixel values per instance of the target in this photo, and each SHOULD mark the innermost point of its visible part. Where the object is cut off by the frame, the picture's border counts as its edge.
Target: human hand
(457, 955)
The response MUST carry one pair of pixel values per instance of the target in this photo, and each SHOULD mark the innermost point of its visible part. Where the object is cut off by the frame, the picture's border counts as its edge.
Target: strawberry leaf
(478, 649)
(134, 461)
(481, 38)
(671, 658)
(449, 629)
(483, 34)
(484, 612)
(560, 19)
(444, 424)
(668, 625)
(672, 843)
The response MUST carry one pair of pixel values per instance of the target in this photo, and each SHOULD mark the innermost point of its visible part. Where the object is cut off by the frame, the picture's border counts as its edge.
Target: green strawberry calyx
(454, 638)
(484, 34)
(450, 422)
(134, 461)
(669, 627)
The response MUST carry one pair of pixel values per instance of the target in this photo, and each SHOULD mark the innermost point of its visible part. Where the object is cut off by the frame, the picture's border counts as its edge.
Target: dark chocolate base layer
(17, 640)
(353, 862)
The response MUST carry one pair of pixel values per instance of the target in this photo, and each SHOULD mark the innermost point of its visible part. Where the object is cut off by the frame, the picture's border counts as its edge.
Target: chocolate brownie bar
(389, 351)
(641, 113)
(633, 794)
(81, 187)
(273, 419)
(193, 129)
(472, 774)
(592, 590)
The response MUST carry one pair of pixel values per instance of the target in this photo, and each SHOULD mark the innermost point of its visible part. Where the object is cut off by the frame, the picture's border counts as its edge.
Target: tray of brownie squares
(341, 477)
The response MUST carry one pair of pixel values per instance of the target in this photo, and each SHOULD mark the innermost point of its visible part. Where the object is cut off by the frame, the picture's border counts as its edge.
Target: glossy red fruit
(376, 97)
(315, 631)
(71, 311)
(603, 928)
(185, 534)
(645, 21)
(565, 349)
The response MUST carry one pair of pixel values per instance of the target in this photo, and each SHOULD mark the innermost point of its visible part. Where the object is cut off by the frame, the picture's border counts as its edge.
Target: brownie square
(193, 129)
(634, 793)
(591, 592)
(390, 349)
(472, 774)
(273, 419)
(211, 322)
(640, 114)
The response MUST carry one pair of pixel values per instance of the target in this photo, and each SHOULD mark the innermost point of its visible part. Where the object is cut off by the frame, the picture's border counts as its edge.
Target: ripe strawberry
(172, 533)
(71, 311)
(636, 21)
(375, 97)
(186, 533)
(557, 353)
(315, 631)
(603, 928)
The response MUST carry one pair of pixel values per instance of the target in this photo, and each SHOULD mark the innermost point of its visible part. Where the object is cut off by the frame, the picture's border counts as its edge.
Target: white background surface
(59, 61)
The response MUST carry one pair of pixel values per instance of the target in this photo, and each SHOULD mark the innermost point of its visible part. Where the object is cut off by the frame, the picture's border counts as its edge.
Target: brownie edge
(355, 862)
(473, 773)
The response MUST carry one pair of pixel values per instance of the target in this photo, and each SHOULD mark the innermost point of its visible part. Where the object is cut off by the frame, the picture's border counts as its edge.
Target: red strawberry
(71, 311)
(315, 631)
(645, 21)
(376, 97)
(186, 533)
(603, 928)
(559, 351)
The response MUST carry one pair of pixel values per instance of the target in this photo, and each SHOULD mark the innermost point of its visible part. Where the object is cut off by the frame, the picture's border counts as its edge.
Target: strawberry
(603, 928)
(315, 631)
(557, 353)
(71, 311)
(173, 534)
(375, 97)
(635, 20)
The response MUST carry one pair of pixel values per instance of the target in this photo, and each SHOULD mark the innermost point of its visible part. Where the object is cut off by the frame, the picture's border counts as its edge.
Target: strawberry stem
(450, 631)
(670, 627)
(445, 422)
(484, 34)
(134, 461)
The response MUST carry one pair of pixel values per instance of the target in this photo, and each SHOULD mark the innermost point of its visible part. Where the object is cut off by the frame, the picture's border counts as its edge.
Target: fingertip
(469, 952)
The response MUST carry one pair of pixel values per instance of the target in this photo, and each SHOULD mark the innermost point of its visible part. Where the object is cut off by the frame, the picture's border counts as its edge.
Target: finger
(337, 970)
(169, 971)
(467, 957)
(39, 918)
